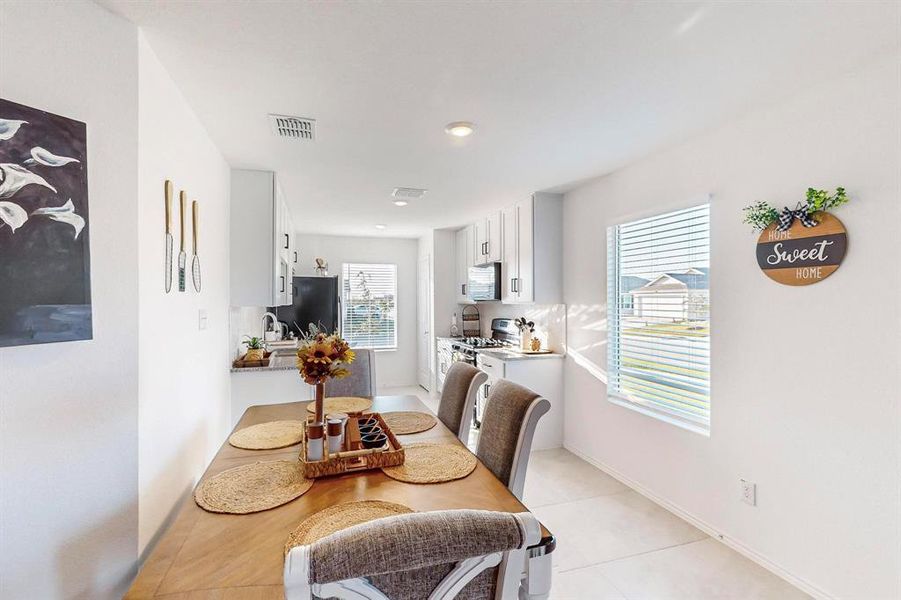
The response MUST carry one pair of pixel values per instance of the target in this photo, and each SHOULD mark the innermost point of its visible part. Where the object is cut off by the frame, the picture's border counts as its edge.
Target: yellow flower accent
(320, 352)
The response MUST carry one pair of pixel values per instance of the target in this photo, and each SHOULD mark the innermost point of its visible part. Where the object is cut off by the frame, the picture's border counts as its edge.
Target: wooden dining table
(211, 556)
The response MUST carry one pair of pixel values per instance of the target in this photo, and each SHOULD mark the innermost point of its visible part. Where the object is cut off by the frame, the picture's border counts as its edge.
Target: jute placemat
(267, 436)
(433, 463)
(252, 488)
(407, 422)
(341, 516)
(342, 404)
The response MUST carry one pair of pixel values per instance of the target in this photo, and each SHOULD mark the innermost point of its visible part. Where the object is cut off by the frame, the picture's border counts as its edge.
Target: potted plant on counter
(255, 349)
(321, 357)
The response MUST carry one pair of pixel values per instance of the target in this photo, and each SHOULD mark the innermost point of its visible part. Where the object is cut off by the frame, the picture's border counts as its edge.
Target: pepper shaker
(315, 435)
(335, 435)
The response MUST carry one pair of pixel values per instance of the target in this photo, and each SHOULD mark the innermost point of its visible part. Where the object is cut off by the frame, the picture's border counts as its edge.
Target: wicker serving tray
(240, 363)
(353, 457)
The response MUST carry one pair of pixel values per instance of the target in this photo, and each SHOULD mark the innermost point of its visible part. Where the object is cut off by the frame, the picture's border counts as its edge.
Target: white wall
(393, 367)
(69, 411)
(184, 382)
(805, 380)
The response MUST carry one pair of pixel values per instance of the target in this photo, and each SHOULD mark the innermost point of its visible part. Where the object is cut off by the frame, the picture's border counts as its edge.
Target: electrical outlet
(749, 492)
(201, 319)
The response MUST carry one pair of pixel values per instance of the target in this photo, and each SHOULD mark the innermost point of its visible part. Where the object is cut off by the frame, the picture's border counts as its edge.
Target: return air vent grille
(405, 193)
(294, 128)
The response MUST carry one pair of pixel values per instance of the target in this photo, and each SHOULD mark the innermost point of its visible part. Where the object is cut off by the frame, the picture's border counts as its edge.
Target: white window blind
(658, 298)
(370, 305)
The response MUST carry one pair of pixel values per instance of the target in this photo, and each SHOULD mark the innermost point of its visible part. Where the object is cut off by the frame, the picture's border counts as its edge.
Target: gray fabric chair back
(360, 382)
(407, 556)
(457, 398)
(508, 425)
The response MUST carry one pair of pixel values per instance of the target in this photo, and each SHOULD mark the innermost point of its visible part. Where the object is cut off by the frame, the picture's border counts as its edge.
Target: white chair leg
(537, 583)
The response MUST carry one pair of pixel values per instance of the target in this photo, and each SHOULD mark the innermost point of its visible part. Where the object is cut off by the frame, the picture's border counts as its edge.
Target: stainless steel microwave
(485, 282)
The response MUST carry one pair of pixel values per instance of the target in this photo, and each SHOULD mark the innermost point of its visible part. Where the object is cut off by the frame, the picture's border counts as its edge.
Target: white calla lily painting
(45, 267)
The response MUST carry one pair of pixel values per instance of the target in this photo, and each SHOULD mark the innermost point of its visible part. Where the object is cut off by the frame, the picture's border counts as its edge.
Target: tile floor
(614, 544)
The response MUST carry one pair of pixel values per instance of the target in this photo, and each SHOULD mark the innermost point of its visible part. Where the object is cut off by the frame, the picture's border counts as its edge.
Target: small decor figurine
(321, 357)
(254, 348)
(801, 245)
(321, 267)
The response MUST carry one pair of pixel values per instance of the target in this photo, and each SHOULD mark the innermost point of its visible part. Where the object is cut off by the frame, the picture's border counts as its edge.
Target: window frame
(614, 324)
(346, 304)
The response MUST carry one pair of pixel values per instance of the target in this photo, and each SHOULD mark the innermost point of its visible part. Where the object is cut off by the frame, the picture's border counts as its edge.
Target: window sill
(692, 426)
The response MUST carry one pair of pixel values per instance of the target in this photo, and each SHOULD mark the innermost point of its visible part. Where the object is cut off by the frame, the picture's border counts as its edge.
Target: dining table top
(207, 556)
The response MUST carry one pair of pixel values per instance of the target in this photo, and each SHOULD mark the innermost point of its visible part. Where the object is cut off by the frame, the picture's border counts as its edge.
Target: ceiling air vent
(295, 128)
(405, 193)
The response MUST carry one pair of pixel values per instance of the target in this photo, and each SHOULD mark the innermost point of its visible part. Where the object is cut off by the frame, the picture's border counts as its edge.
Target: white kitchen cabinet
(261, 230)
(465, 259)
(532, 255)
(488, 242)
(543, 375)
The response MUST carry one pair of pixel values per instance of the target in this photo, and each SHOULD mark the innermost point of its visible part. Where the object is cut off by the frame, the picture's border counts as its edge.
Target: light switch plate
(749, 492)
(201, 319)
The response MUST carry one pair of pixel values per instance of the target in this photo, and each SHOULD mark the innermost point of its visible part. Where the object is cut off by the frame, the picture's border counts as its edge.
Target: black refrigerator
(317, 301)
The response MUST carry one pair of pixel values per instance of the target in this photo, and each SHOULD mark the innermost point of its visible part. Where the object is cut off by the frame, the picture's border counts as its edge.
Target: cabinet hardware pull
(295, 256)
(286, 241)
(463, 289)
(282, 277)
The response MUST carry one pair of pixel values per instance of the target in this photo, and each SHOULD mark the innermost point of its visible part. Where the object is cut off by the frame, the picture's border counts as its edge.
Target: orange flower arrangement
(321, 357)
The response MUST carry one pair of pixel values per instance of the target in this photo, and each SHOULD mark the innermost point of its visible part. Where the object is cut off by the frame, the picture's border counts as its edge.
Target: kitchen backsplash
(243, 320)
(550, 320)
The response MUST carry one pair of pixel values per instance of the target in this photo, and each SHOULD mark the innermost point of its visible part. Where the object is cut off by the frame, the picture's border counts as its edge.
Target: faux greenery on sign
(761, 215)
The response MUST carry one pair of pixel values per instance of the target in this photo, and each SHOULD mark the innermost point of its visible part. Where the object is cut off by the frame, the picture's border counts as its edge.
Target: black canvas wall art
(45, 268)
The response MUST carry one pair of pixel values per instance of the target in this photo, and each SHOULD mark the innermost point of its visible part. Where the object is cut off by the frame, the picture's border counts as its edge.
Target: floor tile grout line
(628, 556)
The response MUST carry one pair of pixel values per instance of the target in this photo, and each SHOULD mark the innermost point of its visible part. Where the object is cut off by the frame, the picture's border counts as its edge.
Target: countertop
(283, 362)
(514, 355)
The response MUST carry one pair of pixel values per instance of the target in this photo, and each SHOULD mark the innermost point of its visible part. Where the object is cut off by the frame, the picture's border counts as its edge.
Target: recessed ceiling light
(381, 226)
(400, 203)
(460, 128)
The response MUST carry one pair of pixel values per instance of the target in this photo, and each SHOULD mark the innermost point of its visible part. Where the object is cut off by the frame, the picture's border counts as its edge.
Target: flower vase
(526, 341)
(320, 397)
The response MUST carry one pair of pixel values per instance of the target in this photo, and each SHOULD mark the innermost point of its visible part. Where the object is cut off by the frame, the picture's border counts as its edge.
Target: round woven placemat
(407, 422)
(433, 463)
(341, 404)
(341, 516)
(267, 436)
(252, 488)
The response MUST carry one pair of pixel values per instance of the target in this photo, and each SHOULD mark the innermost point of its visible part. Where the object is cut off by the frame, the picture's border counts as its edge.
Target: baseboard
(749, 553)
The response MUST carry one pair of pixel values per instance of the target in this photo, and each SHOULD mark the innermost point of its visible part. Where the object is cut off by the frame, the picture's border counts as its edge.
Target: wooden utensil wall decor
(803, 245)
(45, 265)
(182, 254)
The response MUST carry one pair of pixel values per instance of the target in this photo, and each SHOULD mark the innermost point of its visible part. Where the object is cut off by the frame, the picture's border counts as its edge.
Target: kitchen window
(369, 295)
(658, 298)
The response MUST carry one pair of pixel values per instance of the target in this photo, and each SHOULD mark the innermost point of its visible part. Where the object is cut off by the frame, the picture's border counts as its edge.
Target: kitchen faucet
(266, 327)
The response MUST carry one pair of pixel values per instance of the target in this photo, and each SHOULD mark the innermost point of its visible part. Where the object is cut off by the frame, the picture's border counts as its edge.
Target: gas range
(503, 335)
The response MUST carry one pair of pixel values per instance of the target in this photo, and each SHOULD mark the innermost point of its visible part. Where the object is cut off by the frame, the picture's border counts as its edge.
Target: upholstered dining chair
(508, 426)
(471, 554)
(458, 397)
(360, 382)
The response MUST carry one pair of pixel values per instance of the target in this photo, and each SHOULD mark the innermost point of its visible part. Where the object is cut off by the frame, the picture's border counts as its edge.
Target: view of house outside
(659, 308)
(370, 305)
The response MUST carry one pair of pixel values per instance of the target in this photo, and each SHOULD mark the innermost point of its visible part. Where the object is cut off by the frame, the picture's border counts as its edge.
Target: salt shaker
(335, 434)
(315, 435)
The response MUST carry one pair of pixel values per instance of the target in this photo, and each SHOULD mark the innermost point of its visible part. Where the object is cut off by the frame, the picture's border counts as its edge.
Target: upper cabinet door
(494, 251)
(480, 232)
(525, 277)
(464, 246)
(510, 264)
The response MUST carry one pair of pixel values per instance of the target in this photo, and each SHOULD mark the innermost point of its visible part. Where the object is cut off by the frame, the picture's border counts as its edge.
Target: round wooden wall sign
(802, 255)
